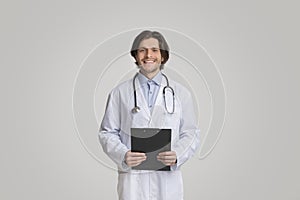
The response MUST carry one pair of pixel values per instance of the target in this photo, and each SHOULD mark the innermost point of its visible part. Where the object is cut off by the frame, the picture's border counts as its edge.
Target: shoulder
(122, 87)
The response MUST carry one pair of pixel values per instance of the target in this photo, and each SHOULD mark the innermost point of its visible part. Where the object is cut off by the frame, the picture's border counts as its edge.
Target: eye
(141, 50)
(155, 49)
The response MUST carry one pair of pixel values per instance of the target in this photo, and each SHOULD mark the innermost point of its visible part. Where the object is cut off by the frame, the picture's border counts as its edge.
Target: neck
(150, 75)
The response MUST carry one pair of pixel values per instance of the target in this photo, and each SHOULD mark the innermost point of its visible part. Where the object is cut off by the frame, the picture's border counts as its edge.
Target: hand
(168, 158)
(133, 159)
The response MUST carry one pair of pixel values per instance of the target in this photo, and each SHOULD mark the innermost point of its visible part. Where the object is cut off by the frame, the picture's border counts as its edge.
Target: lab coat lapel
(142, 101)
(155, 117)
(160, 99)
(158, 112)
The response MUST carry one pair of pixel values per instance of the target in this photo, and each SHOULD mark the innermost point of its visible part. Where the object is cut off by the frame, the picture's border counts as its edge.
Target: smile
(149, 61)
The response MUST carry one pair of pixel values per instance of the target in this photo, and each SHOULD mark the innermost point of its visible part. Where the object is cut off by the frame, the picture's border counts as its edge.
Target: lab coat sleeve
(109, 133)
(189, 134)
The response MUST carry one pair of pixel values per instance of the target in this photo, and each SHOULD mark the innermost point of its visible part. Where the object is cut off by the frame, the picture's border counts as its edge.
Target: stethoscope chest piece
(136, 110)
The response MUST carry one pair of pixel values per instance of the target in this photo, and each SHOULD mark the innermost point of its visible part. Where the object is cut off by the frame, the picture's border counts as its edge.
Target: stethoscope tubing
(136, 108)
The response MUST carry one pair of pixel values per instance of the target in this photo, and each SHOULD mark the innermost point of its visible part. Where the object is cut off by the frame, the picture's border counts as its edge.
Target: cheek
(139, 57)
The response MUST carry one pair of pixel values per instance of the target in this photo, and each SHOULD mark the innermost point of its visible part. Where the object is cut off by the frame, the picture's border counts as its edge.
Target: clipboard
(151, 141)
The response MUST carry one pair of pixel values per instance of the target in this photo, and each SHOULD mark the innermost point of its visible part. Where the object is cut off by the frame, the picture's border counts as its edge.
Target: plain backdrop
(255, 45)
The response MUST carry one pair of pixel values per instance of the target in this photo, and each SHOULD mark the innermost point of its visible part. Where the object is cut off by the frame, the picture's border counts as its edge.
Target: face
(149, 57)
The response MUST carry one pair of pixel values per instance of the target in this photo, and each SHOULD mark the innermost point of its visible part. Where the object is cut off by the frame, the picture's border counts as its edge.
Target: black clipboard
(151, 141)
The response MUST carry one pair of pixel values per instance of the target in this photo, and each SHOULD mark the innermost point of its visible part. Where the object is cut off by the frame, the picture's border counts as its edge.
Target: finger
(167, 163)
(167, 153)
(137, 154)
(172, 157)
(133, 161)
(169, 159)
(133, 164)
(136, 158)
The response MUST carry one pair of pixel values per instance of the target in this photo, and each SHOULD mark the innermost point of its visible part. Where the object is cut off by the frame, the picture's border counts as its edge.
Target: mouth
(149, 61)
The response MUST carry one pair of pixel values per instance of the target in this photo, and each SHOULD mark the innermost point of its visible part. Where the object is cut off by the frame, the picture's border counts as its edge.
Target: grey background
(254, 43)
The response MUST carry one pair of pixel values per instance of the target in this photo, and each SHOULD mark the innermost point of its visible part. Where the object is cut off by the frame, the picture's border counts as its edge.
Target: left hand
(168, 158)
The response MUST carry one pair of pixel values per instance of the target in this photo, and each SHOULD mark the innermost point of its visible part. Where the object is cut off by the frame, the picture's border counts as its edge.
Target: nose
(148, 53)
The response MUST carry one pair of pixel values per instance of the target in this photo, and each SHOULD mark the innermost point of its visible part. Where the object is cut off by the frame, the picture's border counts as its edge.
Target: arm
(189, 134)
(109, 133)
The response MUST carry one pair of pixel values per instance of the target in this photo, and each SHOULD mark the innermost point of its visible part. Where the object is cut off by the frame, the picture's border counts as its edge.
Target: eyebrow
(148, 48)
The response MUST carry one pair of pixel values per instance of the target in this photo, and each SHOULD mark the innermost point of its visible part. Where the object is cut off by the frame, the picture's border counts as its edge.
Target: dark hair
(163, 46)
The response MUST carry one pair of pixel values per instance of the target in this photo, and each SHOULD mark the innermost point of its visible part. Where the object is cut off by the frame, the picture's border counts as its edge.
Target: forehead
(149, 43)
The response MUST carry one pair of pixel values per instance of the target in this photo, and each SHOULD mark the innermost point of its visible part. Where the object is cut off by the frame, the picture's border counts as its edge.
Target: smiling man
(147, 93)
(148, 57)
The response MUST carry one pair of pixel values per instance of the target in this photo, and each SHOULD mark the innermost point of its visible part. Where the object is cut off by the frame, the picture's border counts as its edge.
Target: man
(151, 110)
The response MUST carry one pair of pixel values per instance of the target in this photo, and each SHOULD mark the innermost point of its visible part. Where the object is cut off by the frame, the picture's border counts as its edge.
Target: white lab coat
(114, 136)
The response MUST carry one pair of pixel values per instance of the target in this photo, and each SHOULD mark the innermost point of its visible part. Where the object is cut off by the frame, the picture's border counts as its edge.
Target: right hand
(133, 159)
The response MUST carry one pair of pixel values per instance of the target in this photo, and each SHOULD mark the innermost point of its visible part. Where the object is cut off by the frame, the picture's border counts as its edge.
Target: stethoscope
(137, 109)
